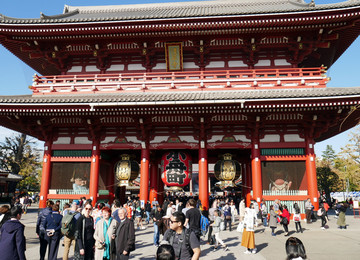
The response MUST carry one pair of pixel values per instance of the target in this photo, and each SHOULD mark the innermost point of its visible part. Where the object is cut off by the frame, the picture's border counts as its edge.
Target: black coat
(125, 237)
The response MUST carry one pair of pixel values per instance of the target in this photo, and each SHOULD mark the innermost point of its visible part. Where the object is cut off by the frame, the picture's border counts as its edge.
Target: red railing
(186, 80)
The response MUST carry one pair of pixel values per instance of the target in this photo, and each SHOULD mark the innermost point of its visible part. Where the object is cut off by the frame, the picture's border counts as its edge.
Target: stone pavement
(331, 243)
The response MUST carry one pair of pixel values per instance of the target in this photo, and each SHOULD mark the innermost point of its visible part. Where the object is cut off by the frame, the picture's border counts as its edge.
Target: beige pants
(67, 244)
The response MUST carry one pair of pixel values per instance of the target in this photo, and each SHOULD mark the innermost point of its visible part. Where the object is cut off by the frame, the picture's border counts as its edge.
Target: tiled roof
(188, 96)
(179, 10)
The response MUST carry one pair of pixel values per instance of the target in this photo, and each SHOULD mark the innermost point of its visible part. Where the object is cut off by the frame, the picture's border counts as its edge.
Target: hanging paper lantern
(227, 170)
(176, 169)
(126, 170)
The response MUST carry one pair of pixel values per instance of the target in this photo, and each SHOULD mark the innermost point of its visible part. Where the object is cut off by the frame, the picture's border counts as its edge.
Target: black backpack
(170, 238)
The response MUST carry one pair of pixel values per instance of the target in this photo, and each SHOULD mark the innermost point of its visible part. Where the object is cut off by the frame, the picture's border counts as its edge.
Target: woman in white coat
(248, 237)
(104, 234)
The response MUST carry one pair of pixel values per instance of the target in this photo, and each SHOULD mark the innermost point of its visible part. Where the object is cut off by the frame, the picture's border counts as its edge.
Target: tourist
(157, 215)
(308, 210)
(295, 249)
(227, 215)
(84, 248)
(52, 226)
(273, 220)
(322, 214)
(147, 211)
(242, 210)
(297, 218)
(211, 220)
(184, 241)
(4, 214)
(103, 246)
(124, 236)
(341, 222)
(216, 229)
(12, 239)
(264, 213)
(234, 212)
(139, 212)
(40, 228)
(248, 237)
(165, 252)
(285, 220)
(115, 207)
(193, 216)
(69, 239)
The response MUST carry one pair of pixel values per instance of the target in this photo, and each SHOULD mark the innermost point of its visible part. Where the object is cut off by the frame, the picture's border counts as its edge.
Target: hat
(76, 202)
(173, 206)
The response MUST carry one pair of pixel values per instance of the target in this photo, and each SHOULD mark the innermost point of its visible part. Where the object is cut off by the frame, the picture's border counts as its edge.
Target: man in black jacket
(124, 236)
(157, 215)
(40, 228)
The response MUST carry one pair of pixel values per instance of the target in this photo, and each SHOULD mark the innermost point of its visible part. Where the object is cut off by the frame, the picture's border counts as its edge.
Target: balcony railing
(288, 193)
(186, 80)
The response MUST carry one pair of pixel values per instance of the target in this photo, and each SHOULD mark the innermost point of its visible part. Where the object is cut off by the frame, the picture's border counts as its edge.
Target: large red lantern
(176, 169)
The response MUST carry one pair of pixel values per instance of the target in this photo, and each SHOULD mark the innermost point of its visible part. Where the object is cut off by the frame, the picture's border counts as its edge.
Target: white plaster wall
(236, 63)
(159, 139)
(91, 68)
(263, 63)
(281, 62)
(75, 69)
(190, 65)
(189, 139)
(241, 138)
(82, 140)
(160, 66)
(135, 67)
(293, 138)
(216, 64)
(215, 138)
(116, 67)
(62, 140)
(271, 138)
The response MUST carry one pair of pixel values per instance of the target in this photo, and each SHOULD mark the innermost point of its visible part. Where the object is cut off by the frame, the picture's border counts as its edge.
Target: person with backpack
(68, 228)
(217, 229)
(322, 215)
(52, 226)
(184, 241)
(227, 215)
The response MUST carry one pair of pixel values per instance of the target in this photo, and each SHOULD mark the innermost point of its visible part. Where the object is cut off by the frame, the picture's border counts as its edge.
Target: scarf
(107, 239)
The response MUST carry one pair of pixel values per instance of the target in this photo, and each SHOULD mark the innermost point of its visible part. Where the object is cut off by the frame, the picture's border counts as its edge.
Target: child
(216, 230)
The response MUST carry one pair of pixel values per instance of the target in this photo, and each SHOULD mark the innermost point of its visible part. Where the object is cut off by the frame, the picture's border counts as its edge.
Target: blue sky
(15, 76)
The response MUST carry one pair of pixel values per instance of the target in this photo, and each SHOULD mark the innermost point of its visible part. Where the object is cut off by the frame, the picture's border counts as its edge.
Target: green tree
(348, 161)
(327, 180)
(19, 156)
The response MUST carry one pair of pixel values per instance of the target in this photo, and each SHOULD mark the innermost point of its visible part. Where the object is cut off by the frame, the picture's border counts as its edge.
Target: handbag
(99, 245)
(228, 217)
(240, 227)
(284, 221)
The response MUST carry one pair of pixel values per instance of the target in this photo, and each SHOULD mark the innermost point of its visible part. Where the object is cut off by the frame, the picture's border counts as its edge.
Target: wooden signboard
(174, 56)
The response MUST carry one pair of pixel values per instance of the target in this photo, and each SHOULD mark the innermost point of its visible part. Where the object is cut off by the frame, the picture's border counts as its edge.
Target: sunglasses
(173, 221)
(88, 208)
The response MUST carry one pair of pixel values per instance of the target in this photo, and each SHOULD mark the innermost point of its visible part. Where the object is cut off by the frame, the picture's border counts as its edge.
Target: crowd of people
(107, 232)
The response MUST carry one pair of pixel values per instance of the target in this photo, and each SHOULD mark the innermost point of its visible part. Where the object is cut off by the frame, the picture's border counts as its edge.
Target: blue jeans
(265, 221)
(156, 234)
(147, 217)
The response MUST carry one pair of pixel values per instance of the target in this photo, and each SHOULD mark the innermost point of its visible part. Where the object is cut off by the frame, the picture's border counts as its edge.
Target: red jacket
(285, 214)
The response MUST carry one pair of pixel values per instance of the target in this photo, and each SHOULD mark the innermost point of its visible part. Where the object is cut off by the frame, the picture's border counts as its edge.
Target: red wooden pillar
(46, 175)
(144, 174)
(203, 176)
(153, 182)
(256, 170)
(111, 183)
(248, 184)
(311, 172)
(94, 172)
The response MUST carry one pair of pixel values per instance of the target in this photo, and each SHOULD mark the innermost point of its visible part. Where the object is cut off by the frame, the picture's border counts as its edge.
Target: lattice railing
(185, 80)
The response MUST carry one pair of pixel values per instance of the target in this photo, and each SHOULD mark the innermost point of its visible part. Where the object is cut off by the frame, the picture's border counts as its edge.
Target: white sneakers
(247, 252)
(254, 251)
